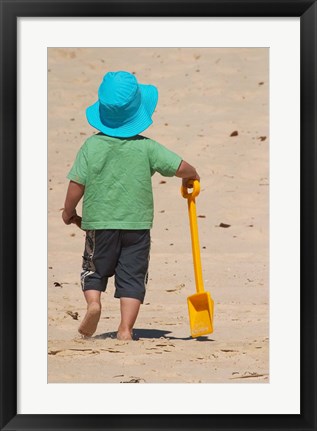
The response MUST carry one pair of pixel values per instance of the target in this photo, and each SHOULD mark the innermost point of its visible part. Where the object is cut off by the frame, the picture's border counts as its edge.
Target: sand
(204, 96)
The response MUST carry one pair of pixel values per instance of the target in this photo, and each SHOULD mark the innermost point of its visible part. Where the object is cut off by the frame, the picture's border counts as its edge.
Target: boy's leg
(129, 308)
(89, 324)
(99, 261)
(131, 277)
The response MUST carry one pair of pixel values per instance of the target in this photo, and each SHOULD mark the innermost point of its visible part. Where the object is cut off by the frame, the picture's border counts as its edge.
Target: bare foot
(89, 324)
(124, 335)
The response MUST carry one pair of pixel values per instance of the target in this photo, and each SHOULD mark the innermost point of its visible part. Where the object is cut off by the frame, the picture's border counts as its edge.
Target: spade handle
(194, 232)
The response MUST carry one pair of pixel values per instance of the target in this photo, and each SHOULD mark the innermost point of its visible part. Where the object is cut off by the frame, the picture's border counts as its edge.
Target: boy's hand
(185, 181)
(68, 218)
(77, 221)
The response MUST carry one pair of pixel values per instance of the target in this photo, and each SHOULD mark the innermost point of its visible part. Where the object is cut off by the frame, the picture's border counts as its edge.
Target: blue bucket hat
(124, 107)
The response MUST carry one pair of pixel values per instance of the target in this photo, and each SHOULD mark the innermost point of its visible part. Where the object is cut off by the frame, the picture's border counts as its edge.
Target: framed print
(226, 87)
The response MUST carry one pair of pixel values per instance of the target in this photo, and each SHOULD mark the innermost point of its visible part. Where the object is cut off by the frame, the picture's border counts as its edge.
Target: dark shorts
(122, 253)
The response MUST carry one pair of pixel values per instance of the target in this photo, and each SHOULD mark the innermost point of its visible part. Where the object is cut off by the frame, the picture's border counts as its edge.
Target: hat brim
(141, 121)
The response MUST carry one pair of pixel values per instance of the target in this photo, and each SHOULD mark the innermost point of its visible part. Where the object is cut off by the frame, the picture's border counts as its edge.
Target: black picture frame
(10, 11)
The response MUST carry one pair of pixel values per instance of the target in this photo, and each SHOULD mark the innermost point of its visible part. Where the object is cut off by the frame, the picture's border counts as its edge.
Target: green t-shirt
(116, 173)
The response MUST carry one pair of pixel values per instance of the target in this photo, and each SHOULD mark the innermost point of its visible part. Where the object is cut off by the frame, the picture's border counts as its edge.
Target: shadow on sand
(150, 333)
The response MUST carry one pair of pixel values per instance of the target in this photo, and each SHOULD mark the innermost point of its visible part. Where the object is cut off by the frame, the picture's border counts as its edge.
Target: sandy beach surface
(213, 110)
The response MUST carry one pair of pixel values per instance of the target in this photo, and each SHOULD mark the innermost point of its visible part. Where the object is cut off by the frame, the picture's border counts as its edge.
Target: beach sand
(205, 94)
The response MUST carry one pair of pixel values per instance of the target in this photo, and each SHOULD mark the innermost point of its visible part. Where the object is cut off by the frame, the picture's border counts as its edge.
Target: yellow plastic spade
(200, 305)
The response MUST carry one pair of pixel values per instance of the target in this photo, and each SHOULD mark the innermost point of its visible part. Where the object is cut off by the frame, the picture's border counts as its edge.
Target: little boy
(112, 172)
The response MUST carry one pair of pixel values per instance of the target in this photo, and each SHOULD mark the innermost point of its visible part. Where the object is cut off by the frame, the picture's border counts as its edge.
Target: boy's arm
(74, 194)
(187, 172)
